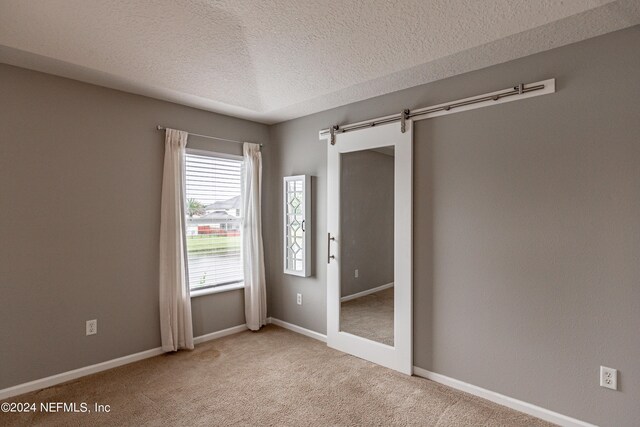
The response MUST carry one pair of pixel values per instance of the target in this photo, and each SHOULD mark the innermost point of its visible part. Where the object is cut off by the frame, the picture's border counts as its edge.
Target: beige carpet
(370, 316)
(269, 378)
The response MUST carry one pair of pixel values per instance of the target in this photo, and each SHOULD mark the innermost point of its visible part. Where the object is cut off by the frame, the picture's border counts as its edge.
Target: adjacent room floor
(370, 316)
(273, 377)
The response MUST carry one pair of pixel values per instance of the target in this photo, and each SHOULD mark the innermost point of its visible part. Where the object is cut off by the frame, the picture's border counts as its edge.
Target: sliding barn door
(369, 272)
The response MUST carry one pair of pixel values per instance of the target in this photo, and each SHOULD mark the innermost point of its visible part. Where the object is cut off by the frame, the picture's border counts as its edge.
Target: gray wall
(366, 222)
(526, 228)
(80, 183)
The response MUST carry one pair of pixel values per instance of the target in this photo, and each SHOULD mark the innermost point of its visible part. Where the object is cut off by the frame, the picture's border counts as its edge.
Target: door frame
(400, 356)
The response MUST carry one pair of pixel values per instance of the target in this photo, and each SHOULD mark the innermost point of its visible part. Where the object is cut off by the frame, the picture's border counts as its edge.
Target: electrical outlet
(356, 273)
(608, 378)
(299, 299)
(92, 327)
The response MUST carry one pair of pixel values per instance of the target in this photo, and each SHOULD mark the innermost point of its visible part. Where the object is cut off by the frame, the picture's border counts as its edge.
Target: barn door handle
(329, 256)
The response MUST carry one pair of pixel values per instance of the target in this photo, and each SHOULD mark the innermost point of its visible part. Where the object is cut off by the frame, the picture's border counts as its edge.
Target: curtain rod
(209, 137)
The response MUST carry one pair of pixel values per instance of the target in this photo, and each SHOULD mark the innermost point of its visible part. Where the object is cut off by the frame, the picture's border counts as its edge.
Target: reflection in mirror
(366, 243)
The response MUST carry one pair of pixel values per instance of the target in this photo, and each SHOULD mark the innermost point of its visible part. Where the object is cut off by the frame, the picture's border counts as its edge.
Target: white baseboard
(103, 366)
(509, 402)
(299, 329)
(367, 292)
(76, 373)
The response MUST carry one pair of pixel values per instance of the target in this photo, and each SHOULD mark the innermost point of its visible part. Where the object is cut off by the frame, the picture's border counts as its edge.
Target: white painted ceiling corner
(278, 60)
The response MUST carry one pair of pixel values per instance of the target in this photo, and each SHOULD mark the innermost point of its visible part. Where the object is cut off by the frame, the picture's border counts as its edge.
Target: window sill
(216, 290)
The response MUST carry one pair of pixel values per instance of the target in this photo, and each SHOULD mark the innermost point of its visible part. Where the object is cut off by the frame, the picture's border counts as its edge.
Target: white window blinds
(213, 220)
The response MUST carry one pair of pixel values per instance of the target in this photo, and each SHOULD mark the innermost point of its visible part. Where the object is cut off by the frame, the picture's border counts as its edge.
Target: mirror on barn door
(369, 302)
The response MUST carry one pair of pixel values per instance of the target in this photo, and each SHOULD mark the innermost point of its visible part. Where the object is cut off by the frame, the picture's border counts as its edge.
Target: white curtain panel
(175, 303)
(255, 294)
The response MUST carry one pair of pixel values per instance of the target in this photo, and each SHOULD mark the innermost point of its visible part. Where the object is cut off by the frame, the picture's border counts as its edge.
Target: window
(213, 220)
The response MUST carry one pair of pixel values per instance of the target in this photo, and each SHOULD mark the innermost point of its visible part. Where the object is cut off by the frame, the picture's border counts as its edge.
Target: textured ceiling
(274, 60)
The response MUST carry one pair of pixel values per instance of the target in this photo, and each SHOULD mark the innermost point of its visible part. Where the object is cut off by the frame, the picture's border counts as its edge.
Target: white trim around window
(200, 152)
(207, 192)
(216, 290)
